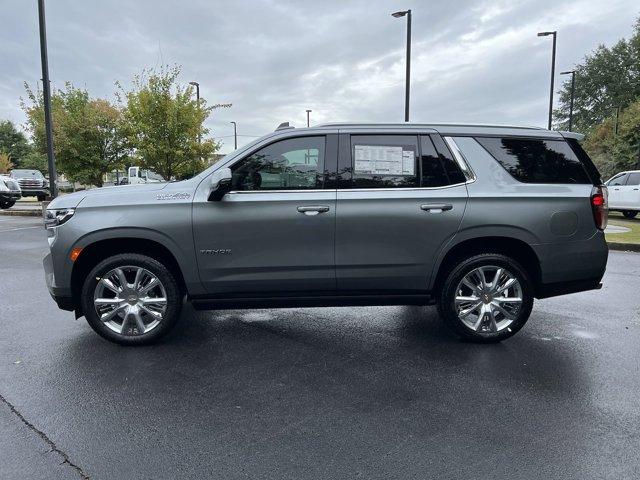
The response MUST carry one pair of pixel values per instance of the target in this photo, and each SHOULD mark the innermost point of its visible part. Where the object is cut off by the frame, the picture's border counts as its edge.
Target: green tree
(606, 79)
(13, 142)
(613, 152)
(165, 123)
(5, 162)
(89, 138)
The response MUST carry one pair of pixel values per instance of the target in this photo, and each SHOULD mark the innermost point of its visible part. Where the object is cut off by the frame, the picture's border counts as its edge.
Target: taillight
(600, 206)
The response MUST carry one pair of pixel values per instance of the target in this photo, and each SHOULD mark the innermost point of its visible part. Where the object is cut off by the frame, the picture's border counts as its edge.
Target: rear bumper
(60, 295)
(572, 266)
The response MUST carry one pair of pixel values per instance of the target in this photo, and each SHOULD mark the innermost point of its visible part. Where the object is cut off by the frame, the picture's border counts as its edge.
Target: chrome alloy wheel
(130, 300)
(488, 299)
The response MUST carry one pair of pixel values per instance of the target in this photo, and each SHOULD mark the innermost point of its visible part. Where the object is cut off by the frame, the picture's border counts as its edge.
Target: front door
(273, 233)
(399, 202)
(631, 191)
(616, 190)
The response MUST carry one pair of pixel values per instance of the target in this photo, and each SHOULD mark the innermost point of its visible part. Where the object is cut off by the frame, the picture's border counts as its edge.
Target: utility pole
(617, 118)
(235, 136)
(308, 112)
(197, 85)
(553, 71)
(46, 92)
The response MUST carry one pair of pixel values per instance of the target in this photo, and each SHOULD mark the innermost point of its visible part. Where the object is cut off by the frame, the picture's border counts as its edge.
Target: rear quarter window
(533, 160)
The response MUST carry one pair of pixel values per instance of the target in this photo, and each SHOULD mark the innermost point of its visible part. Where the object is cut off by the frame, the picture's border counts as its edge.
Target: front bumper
(60, 295)
(34, 192)
(11, 196)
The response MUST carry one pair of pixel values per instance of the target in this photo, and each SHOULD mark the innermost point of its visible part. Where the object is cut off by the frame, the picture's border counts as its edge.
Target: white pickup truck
(624, 193)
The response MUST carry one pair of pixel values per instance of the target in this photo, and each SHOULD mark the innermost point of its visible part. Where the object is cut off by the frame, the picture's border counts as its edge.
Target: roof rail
(422, 124)
(284, 126)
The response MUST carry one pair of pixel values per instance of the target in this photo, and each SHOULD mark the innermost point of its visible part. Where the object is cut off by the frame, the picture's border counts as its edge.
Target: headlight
(54, 218)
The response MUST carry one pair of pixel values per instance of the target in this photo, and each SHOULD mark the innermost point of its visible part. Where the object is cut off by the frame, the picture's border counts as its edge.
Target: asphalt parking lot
(368, 393)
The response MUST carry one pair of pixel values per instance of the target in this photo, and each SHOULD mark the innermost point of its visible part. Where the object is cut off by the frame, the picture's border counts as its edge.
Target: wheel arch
(510, 246)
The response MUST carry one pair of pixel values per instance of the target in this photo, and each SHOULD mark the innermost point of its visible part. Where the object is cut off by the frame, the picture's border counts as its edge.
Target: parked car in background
(9, 192)
(138, 175)
(624, 193)
(32, 183)
(478, 220)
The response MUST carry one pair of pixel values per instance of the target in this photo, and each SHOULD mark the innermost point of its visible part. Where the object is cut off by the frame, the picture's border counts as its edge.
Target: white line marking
(20, 228)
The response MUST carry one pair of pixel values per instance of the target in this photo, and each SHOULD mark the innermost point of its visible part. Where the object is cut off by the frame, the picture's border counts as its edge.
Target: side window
(385, 161)
(451, 169)
(532, 160)
(619, 180)
(433, 173)
(292, 164)
(634, 179)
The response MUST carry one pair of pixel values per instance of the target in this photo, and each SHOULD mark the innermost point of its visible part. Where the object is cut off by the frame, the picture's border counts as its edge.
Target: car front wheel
(5, 205)
(486, 298)
(131, 299)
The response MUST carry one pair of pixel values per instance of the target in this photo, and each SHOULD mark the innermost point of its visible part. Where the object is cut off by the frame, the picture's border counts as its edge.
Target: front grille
(30, 183)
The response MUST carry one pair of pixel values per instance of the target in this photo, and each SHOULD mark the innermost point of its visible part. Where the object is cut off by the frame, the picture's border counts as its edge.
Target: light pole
(573, 87)
(406, 13)
(235, 136)
(46, 92)
(197, 85)
(308, 112)
(615, 131)
(553, 71)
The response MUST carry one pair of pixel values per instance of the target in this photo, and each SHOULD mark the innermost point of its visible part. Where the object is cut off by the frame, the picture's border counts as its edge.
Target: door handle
(313, 209)
(436, 207)
(616, 189)
(635, 189)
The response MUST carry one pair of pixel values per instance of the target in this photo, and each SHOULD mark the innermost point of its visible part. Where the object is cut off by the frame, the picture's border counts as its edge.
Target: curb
(21, 213)
(624, 247)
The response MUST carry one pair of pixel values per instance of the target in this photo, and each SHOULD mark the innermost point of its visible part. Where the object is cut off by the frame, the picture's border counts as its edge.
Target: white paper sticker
(383, 160)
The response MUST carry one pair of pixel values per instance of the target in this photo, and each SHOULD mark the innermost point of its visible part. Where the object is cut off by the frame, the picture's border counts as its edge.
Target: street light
(46, 93)
(308, 112)
(553, 71)
(235, 136)
(197, 85)
(573, 86)
(406, 13)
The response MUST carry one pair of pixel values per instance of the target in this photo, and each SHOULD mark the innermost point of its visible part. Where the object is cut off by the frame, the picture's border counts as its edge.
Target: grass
(633, 236)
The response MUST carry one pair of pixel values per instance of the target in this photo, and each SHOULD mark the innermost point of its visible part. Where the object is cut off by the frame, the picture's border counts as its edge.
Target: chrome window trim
(460, 159)
(394, 189)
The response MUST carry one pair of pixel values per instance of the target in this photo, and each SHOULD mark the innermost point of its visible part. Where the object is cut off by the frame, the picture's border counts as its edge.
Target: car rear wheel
(630, 214)
(486, 298)
(5, 205)
(131, 299)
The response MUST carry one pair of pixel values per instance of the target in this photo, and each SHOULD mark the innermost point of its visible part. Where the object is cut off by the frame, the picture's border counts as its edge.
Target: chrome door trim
(459, 157)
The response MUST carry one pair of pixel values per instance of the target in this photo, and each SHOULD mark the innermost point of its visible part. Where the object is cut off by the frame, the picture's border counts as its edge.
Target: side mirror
(220, 184)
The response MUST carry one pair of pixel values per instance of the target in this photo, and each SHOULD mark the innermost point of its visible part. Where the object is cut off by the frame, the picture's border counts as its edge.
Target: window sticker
(384, 160)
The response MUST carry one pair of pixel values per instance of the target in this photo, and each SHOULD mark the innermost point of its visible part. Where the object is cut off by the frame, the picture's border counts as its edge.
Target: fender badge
(173, 196)
(216, 251)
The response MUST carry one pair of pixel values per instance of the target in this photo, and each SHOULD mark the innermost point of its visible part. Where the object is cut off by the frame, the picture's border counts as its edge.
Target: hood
(72, 200)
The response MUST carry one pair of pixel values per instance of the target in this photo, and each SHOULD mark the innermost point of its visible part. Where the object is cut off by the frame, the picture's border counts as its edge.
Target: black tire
(41, 198)
(5, 205)
(171, 289)
(447, 294)
(630, 214)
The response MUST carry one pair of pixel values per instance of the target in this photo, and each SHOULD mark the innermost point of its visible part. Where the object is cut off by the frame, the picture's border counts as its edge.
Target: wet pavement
(377, 392)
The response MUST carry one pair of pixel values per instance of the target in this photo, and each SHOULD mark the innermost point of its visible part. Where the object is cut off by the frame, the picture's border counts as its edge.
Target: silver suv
(478, 220)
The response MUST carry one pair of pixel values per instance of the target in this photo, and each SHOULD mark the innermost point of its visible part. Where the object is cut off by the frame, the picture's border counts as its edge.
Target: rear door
(400, 199)
(273, 233)
(631, 191)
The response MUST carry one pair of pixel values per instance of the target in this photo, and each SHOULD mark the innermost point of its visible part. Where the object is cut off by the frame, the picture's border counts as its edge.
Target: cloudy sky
(473, 61)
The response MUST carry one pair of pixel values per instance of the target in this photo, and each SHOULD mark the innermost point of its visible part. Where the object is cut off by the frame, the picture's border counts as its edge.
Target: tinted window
(433, 173)
(385, 161)
(634, 179)
(619, 180)
(292, 164)
(536, 160)
(454, 174)
(587, 163)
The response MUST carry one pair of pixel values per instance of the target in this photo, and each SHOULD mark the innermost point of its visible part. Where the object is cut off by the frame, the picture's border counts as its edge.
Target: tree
(607, 78)
(164, 124)
(5, 162)
(613, 153)
(89, 138)
(13, 142)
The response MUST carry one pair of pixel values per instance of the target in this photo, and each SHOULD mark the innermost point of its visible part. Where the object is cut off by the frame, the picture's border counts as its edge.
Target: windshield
(26, 174)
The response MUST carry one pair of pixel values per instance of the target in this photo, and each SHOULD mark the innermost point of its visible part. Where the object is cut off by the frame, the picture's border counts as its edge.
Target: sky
(472, 61)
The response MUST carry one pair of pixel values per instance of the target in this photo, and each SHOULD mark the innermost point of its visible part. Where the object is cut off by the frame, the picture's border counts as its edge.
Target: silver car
(478, 220)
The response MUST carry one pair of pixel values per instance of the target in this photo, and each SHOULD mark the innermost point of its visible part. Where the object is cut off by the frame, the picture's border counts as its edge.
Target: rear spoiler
(576, 136)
